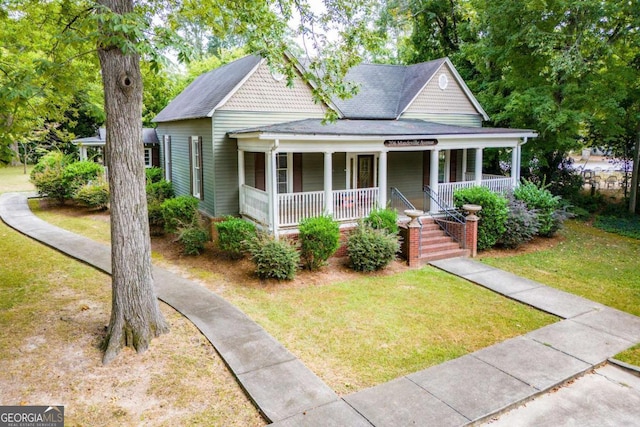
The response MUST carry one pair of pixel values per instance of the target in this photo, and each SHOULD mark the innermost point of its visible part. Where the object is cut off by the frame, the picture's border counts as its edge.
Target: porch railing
(349, 205)
(450, 220)
(294, 207)
(255, 203)
(399, 202)
(495, 183)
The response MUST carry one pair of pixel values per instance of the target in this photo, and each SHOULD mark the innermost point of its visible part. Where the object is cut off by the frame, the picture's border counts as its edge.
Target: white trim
(196, 175)
(150, 163)
(341, 137)
(235, 88)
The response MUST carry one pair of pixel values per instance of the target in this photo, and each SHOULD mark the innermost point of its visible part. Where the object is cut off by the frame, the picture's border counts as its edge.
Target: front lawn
(353, 330)
(589, 262)
(13, 178)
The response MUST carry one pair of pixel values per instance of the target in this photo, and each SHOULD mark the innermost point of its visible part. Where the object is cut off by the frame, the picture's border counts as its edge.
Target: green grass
(12, 178)
(367, 331)
(628, 225)
(84, 221)
(590, 262)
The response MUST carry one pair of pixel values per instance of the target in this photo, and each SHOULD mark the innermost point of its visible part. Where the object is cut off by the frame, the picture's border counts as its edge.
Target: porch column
(514, 165)
(433, 178)
(272, 190)
(241, 180)
(478, 171)
(464, 164)
(83, 153)
(328, 183)
(382, 180)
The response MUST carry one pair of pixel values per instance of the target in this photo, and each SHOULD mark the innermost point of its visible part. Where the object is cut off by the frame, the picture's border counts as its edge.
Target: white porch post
(272, 190)
(433, 177)
(514, 165)
(382, 180)
(83, 153)
(241, 180)
(328, 183)
(464, 164)
(478, 171)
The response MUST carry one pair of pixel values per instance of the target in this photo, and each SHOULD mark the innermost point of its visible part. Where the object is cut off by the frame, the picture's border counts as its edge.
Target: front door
(365, 171)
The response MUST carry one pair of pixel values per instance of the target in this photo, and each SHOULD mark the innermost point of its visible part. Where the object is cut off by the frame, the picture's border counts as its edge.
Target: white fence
(294, 207)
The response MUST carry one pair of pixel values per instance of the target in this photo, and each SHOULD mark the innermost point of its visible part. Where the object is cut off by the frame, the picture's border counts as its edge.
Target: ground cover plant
(585, 261)
(355, 330)
(53, 312)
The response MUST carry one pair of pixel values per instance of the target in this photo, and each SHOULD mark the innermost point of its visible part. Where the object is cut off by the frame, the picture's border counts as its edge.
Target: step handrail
(397, 198)
(451, 221)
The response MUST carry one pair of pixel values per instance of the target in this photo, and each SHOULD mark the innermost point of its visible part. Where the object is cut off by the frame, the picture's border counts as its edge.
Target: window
(195, 148)
(166, 141)
(148, 162)
(282, 172)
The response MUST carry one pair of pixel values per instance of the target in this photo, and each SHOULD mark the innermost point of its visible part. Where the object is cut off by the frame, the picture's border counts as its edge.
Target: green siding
(180, 163)
(471, 120)
(404, 172)
(226, 158)
(339, 177)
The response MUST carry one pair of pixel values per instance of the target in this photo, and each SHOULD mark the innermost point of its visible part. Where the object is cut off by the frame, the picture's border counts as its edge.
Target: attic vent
(443, 81)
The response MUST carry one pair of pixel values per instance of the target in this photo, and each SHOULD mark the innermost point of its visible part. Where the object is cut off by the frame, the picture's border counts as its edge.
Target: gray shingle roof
(385, 90)
(385, 128)
(149, 136)
(206, 91)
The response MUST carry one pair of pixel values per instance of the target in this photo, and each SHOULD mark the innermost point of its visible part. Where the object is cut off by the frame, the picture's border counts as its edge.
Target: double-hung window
(283, 168)
(195, 148)
(148, 158)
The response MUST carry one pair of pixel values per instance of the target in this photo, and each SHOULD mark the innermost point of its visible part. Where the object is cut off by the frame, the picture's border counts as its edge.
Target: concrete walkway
(469, 389)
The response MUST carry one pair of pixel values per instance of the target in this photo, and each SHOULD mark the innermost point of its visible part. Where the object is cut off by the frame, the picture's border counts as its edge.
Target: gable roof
(208, 90)
(385, 91)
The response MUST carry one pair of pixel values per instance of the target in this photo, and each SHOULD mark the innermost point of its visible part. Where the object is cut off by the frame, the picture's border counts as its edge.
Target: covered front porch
(286, 177)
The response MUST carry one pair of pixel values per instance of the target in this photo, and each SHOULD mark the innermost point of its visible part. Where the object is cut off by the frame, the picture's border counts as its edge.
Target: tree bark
(135, 312)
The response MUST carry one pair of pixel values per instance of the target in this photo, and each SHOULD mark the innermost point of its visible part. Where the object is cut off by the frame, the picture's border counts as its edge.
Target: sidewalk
(470, 389)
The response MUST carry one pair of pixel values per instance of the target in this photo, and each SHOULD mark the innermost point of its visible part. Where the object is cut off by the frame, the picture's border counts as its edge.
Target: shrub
(47, 176)
(160, 190)
(93, 195)
(493, 215)
(179, 212)
(193, 239)
(370, 249)
(319, 239)
(154, 175)
(77, 174)
(545, 204)
(521, 225)
(386, 219)
(274, 259)
(232, 235)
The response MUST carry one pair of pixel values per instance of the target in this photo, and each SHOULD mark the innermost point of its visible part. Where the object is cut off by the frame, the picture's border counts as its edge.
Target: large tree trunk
(135, 315)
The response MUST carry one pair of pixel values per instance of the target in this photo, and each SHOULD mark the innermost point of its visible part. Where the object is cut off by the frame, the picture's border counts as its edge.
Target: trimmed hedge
(493, 216)
(179, 212)
(93, 195)
(383, 219)
(47, 176)
(274, 259)
(193, 239)
(319, 239)
(153, 174)
(233, 233)
(370, 249)
(521, 225)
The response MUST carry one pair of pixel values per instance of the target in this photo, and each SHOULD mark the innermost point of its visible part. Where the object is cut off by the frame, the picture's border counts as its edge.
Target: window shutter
(190, 165)
(201, 170)
(297, 172)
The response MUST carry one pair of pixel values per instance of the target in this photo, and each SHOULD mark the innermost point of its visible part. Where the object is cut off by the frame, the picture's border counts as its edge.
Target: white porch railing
(471, 176)
(294, 207)
(255, 204)
(350, 205)
(495, 183)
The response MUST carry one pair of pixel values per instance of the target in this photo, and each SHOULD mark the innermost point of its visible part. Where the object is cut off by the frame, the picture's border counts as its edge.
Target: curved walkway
(466, 390)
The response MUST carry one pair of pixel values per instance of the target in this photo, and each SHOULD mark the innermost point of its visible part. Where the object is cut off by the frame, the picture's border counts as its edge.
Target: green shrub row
(513, 219)
(58, 177)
